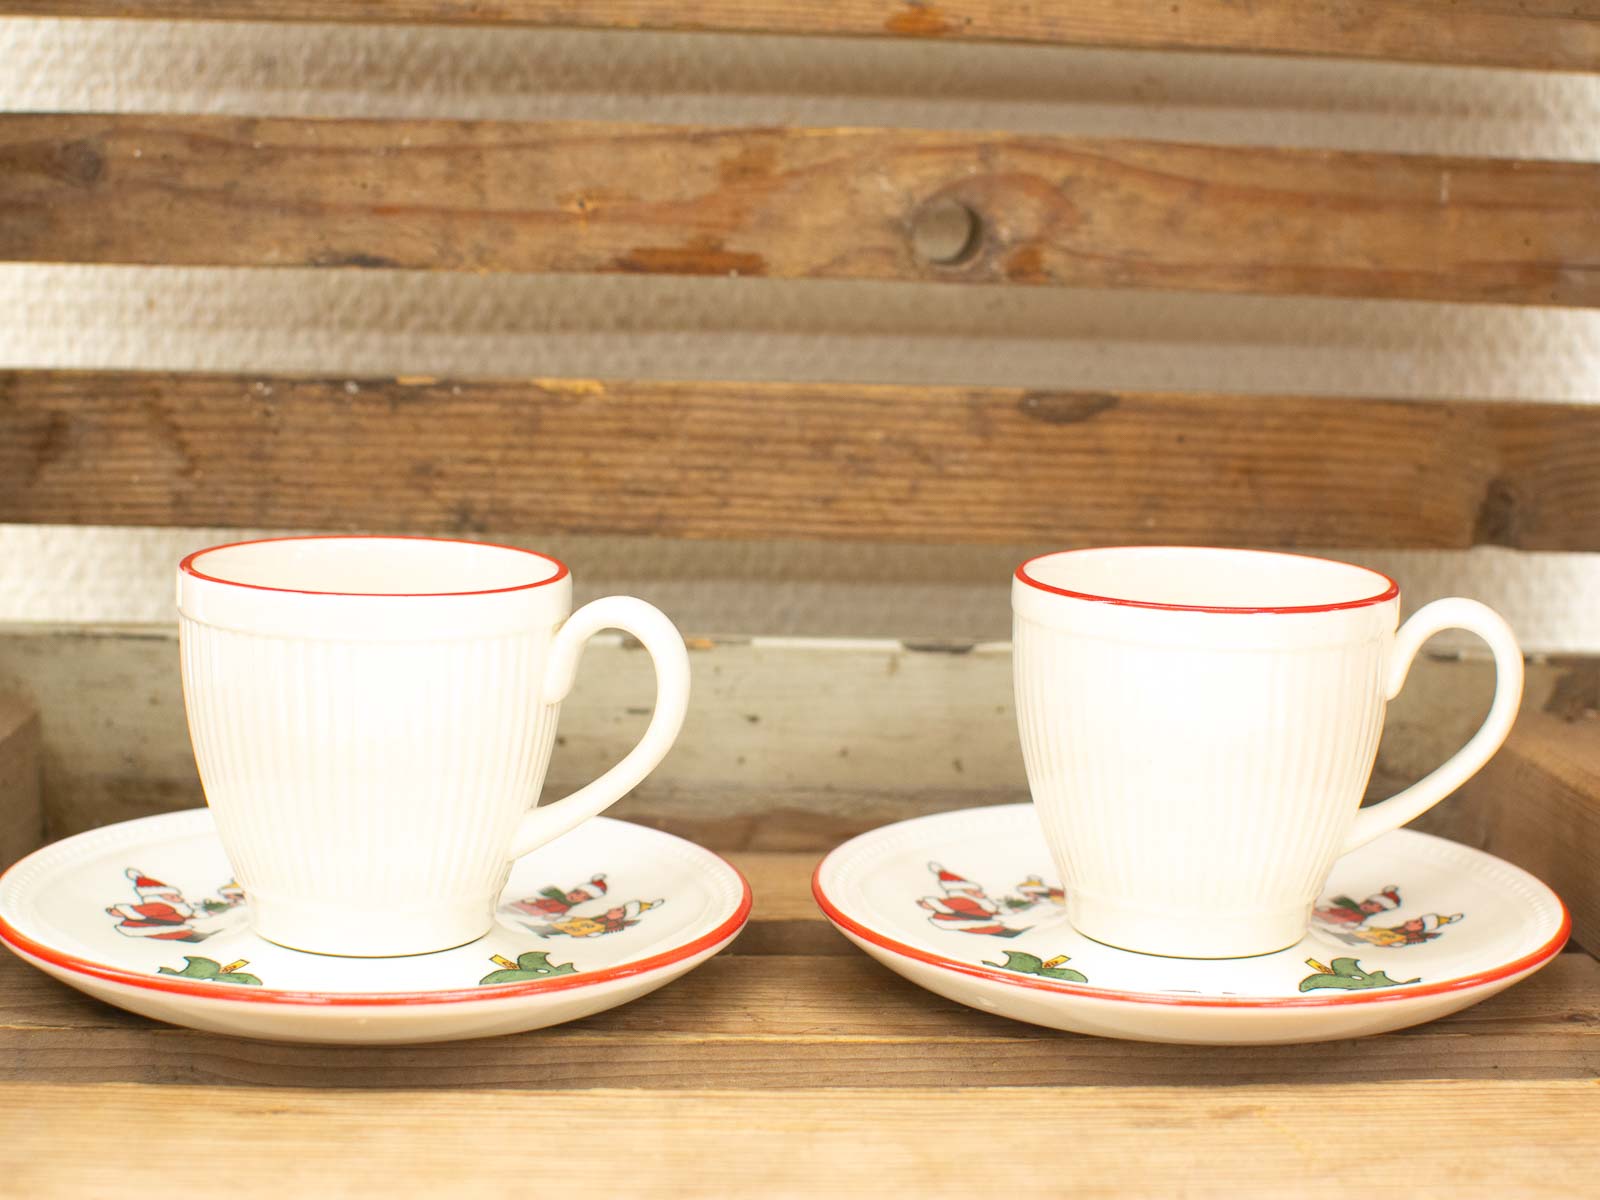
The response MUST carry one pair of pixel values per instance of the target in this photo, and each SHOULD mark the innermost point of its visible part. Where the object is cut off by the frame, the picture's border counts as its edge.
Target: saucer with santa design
(145, 915)
(1409, 928)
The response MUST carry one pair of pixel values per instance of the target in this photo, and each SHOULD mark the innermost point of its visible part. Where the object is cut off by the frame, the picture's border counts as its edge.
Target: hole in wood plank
(946, 232)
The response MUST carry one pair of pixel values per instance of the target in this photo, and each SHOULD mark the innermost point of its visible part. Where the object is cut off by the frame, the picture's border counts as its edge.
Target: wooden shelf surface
(792, 1061)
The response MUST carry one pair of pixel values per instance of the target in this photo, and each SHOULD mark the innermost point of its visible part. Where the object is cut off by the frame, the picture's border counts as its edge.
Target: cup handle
(663, 643)
(1455, 613)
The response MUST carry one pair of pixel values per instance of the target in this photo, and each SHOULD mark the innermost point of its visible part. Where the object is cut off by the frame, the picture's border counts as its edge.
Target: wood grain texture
(21, 779)
(1458, 1139)
(722, 460)
(1546, 816)
(1540, 34)
(793, 203)
(788, 924)
(772, 1022)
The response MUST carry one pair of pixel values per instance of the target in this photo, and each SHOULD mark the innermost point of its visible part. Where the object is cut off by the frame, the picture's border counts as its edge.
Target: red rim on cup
(1390, 591)
(188, 567)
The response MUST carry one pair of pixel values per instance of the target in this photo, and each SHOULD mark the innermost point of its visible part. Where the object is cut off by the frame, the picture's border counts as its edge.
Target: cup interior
(1207, 579)
(374, 566)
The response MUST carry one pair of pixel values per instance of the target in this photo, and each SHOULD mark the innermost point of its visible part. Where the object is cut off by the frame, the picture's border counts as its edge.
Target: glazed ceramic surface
(1409, 928)
(1182, 708)
(147, 916)
(372, 718)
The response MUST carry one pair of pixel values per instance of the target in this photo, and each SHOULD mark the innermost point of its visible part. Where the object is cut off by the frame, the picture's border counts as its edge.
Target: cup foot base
(337, 931)
(346, 953)
(1126, 926)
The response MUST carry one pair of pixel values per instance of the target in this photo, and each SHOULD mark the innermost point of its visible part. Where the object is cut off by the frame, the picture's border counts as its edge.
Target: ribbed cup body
(370, 742)
(361, 787)
(1196, 773)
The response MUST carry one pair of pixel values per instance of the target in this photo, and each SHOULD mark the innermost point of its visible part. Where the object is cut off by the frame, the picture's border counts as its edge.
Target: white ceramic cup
(372, 718)
(1199, 726)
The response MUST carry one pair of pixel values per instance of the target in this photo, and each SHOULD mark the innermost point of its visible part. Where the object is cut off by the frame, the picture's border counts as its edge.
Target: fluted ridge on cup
(299, 741)
(1195, 778)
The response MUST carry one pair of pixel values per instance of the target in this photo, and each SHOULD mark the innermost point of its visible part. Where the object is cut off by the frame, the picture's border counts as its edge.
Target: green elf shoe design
(533, 964)
(1347, 973)
(1031, 964)
(211, 969)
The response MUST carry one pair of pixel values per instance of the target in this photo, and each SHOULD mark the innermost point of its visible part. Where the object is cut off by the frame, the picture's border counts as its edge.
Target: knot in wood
(945, 232)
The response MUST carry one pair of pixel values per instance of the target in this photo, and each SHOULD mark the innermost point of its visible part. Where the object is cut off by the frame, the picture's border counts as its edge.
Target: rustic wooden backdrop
(793, 1063)
(841, 462)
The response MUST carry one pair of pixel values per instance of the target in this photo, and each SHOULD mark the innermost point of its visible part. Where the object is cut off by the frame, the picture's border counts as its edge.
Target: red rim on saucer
(997, 823)
(711, 939)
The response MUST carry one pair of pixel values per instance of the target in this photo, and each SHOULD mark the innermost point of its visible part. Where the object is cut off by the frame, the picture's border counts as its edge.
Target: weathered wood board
(1540, 797)
(795, 203)
(21, 779)
(764, 1023)
(819, 461)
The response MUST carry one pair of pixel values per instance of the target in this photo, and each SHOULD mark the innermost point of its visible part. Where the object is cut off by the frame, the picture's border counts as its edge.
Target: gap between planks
(1459, 32)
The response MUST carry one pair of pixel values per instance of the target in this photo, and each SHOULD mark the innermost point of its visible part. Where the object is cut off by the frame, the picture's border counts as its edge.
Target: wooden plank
(1481, 1138)
(794, 203)
(795, 998)
(21, 780)
(783, 1021)
(787, 921)
(838, 461)
(1540, 797)
(783, 881)
(1551, 35)
(797, 1018)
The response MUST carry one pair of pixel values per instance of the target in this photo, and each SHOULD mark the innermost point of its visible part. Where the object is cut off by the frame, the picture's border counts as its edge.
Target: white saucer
(144, 915)
(961, 904)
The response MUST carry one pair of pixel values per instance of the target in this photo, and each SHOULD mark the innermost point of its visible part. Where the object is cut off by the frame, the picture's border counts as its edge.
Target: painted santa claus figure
(964, 907)
(161, 913)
